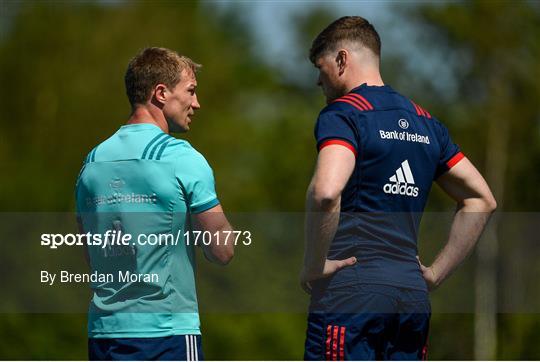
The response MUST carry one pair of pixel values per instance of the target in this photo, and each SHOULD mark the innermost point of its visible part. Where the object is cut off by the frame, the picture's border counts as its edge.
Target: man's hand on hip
(330, 267)
(429, 275)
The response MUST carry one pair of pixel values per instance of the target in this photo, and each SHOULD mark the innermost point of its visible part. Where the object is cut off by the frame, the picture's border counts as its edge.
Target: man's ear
(341, 60)
(160, 93)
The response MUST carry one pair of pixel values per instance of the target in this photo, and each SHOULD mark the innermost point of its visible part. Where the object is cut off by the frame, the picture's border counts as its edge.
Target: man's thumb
(349, 261)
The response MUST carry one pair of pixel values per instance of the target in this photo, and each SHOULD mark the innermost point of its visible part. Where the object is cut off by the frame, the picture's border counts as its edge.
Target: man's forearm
(221, 248)
(322, 218)
(466, 229)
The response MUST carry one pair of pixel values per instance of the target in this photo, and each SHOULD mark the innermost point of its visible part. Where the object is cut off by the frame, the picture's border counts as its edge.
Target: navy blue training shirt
(400, 149)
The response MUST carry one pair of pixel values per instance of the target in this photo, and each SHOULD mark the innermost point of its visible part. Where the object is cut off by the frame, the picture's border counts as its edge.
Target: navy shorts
(179, 348)
(368, 322)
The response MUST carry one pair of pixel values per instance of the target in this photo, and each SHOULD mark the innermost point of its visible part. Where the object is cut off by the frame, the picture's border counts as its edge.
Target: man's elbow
(224, 257)
(484, 204)
(326, 198)
(490, 203)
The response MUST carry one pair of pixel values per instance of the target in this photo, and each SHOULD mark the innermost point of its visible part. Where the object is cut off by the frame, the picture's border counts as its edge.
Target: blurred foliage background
(61, 76)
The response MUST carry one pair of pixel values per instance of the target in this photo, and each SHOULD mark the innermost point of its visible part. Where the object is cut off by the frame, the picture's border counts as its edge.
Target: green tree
(496, 108)
(67, 61)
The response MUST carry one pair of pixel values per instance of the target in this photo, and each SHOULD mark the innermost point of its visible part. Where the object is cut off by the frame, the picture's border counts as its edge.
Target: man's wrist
(311, 270)
(436, 276)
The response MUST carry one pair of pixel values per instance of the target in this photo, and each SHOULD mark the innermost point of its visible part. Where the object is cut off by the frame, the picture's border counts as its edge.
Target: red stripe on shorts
(342, 344)
(328, 341)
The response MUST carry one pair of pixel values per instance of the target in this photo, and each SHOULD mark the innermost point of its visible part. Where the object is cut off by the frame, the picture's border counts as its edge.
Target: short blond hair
(153, 66)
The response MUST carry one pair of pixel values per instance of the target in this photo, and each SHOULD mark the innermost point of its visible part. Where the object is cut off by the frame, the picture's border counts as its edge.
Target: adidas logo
(402, 182)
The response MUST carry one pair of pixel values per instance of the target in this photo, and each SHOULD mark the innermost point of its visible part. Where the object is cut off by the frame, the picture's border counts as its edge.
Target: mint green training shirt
(142, 181)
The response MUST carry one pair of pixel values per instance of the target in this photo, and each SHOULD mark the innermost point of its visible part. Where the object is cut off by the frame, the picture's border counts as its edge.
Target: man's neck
(144, 114)
(371, 78)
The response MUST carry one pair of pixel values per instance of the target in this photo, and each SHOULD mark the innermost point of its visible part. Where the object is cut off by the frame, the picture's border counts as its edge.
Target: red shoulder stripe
(363, 100)
(355, 105)
(421, 111)
(355, 100)
(418, 109)
(426, 114)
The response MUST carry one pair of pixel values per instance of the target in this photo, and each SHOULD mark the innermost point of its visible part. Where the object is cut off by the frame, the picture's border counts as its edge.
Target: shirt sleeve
(197, 179)
(335, 128)
(79, 196)
(450, 153)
